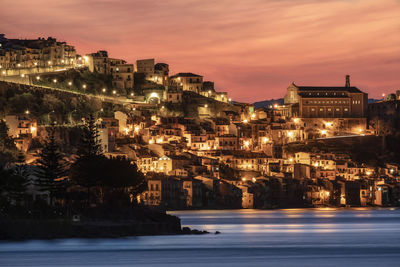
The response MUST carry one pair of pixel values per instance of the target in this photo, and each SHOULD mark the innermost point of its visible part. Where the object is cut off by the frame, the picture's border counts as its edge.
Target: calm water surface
(296, 237)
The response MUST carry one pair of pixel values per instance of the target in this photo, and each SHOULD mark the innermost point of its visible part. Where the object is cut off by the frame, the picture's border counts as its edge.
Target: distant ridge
(267, 103)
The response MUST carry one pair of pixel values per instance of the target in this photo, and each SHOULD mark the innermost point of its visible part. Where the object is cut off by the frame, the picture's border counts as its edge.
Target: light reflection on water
(293, 237)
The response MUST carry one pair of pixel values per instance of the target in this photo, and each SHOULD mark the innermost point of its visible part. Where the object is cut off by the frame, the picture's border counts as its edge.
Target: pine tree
(85, 171)
(90, 144)
(50, 167)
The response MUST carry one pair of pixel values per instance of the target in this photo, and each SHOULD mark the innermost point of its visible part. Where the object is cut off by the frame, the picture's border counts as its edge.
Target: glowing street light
(206, 106)
(290, 134)
(244, 179)
(323, 132)
(245, 121)
(253, 180)
(151, 141)
(18, 65)
(69, 83)
(104, 90)
(296, 120)
(27, 111)
(246, 143)
(55, 81)
(114, 92)
(33, 129)
(38, 78)
(22, 75)
(84, 86)
(132, 94)
(265, 140)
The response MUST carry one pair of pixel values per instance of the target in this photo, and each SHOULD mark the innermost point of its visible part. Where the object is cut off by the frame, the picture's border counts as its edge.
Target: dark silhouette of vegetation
(50, 167)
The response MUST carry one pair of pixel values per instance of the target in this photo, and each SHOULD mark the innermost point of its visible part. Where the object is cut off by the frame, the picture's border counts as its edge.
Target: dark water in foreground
(298, 237)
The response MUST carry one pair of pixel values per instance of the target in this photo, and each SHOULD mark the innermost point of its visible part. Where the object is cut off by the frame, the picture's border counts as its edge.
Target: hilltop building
(327, 101)
(24, 56)
(121, 72)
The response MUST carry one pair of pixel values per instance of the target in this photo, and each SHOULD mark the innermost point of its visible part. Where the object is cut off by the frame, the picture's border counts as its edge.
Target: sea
(290, 237)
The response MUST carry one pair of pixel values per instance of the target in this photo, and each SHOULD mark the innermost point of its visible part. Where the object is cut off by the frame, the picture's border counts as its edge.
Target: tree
(50, 167)
(8, 149)
(86, 169)
(117, 178)
(90, 143)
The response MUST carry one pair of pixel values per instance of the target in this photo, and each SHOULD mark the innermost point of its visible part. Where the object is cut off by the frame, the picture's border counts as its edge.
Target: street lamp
(55, 81)
(104, 90)
(69, 83)
(84, 86)
(114, 92)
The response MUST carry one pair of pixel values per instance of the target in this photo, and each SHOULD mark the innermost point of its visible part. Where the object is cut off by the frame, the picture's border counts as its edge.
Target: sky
(252, 49)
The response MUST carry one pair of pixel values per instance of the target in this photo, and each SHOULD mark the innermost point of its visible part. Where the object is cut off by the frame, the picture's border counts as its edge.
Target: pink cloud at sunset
(252, 49)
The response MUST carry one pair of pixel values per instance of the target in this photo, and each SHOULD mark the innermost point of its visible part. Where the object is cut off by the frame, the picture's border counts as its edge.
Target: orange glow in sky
(252, 49)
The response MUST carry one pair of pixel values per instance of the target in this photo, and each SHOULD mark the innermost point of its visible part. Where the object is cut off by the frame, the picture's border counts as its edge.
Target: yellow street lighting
(253, 116)
(84, 86)
(69, 83)
(245, 121)
(230, 99)
(22, 75)
(33, 129)
(244, 179)
(18, 65)
(276, 105)
(137, 128)
(296, 120)
(265, 139)
(49, 62)
(206, 106)
(290, 134)
(4, 72)
(55, 81)
(323, 132)
(27, 111)
(151, 141)
(246, 143)
(114, 92)
(126, 131)
(254, 179)
(290, 159)
(35, 63)
(316, 164)
(38, 78)
(132, 94)
(104, 90)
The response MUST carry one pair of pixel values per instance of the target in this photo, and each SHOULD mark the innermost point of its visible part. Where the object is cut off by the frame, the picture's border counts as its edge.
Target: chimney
(347, 80)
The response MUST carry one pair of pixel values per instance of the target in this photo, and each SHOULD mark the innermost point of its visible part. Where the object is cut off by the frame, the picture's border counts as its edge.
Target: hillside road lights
(290, 134)
(246, 143)
(69, 83)
(84, 86)
(37, 78)
(49, 63)
(22, 75)
(114, 92)
(55, 81)
(104, 90)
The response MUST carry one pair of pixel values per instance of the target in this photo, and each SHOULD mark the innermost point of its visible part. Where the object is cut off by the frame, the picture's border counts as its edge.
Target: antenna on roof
(347, 80)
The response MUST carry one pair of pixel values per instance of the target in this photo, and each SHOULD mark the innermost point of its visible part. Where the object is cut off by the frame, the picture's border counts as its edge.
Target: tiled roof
(329, 88)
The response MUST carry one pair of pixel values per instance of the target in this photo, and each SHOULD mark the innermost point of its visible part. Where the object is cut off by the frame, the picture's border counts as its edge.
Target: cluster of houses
(236, 157)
